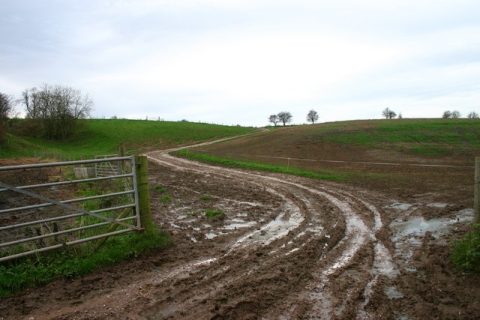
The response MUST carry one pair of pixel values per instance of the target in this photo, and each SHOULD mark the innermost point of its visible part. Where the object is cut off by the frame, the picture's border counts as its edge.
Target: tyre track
(304, 225)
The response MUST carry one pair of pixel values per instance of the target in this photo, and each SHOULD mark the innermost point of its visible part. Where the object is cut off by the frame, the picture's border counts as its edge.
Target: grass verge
(466, 251)
(333, 176)
(76, 261)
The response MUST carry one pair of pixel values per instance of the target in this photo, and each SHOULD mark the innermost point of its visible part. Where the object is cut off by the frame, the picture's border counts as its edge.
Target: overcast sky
(239, 61)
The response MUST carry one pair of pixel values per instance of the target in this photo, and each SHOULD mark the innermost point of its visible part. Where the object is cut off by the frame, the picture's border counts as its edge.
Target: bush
(466, 251)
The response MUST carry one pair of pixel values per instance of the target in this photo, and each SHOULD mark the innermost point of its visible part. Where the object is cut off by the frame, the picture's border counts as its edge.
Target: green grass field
(422, 136)
(104, 136)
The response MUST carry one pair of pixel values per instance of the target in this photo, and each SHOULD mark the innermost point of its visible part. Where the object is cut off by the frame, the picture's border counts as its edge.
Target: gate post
(476, 201)
(144, 194)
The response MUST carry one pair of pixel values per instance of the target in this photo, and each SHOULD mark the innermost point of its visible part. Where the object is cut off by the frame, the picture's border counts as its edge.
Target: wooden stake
(144, 194)
(476, 202)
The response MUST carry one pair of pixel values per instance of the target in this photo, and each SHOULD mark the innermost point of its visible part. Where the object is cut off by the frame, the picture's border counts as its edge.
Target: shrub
(466, 251)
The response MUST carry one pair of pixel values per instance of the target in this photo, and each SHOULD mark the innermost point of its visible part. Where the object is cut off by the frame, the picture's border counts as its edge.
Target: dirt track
(287, 248)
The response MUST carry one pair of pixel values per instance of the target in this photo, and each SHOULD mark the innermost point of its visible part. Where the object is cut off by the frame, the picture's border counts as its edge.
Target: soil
(285, 247)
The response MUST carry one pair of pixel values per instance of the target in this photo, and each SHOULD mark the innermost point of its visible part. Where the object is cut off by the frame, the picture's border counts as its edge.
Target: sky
(236, 62)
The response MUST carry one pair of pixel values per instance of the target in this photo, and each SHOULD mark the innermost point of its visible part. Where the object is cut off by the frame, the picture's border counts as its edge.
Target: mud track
(286, 248)
(283, 265)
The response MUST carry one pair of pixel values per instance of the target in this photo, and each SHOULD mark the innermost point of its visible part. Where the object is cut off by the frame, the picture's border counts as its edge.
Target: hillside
(392, 155)
(401, 140)
(373, 243)
(104, 136)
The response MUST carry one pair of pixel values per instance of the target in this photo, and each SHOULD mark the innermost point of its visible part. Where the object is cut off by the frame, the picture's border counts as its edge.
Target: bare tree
(274, 119)
(451, 114)
(6, 109)
(312, 116)
(285, 117)
(388, 114)
(472, 115)
(58, 108)
(447, 114)
(456, 114)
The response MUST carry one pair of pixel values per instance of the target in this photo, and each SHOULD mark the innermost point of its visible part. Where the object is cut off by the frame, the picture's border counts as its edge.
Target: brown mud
(285, 248)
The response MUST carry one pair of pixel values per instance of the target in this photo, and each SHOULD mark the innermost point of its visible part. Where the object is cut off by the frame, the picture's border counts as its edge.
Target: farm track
(287, 248)
(292, 265)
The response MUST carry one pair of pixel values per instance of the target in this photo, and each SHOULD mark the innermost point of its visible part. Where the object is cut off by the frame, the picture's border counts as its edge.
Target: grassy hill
(409, 156)
(366, 140)
(104, 136)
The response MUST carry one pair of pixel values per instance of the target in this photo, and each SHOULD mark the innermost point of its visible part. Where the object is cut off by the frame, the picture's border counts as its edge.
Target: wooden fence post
(476, 202)
(144, 193)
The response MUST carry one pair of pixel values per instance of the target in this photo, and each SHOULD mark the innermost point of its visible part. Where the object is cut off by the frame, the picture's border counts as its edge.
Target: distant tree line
(456, 114)
(390, 114)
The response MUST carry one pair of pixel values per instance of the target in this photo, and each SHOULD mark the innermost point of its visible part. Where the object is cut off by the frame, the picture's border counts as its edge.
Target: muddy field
(284, 248)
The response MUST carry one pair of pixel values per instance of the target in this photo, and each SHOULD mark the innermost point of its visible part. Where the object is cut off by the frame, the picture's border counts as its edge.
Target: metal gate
(45, 206)
(106, 168)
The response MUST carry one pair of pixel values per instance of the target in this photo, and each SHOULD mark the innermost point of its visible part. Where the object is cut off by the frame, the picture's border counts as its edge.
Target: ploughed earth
(282, 247)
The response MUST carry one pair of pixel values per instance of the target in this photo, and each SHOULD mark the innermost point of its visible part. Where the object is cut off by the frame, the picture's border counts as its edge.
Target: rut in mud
(287, 248)
(281, 264)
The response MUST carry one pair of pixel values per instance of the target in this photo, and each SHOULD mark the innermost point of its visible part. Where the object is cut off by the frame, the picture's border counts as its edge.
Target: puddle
(383, 263)
(275, 229)
(238, 225)
(418, 226)
(186, 221)
(210, 235)
(409, 234)
(292, 251)
(401, 206)
(437, 205)
(393, 293)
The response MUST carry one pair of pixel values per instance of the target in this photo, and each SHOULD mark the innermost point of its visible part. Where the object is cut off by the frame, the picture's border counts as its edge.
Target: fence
(66, 211)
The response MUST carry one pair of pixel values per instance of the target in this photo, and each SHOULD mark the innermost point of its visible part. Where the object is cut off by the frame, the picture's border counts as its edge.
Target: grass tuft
(160, 189)
(166, 199)
(214, 214)
(260, 166)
